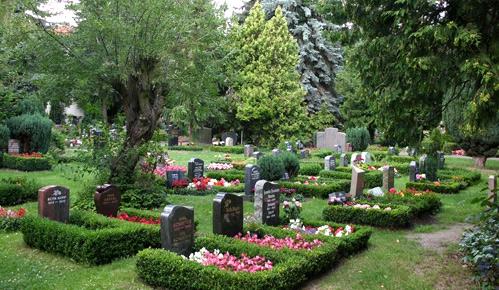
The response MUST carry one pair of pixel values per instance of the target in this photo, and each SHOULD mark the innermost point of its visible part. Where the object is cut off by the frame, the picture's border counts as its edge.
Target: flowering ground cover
(229, 262)
(296, 243)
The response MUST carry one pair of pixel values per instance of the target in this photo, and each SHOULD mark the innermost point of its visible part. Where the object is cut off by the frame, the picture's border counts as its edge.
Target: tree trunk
(143, 103)
(480, 161)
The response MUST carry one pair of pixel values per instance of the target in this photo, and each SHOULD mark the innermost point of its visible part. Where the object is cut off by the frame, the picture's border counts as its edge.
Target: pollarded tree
(267, 85)
(133, 48)
(319, 58)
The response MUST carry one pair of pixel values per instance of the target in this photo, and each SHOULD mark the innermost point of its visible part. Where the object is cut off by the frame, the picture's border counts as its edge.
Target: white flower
(376, 207)
(388, 209)
(348, 229)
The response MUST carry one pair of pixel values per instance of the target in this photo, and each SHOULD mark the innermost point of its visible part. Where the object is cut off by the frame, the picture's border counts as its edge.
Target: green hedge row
(423, 205)
(402, 167)
(228, 175)
(442, 187)
(400, 159)
(17, 190)
(89, 237)
(161, 268)
(319, 191)
(311, 169)
(228, 149)
(10, 224)
(25, 164)
(400, 215)
(459, 175)
(214, 190)
(372, 178)
(185, 148)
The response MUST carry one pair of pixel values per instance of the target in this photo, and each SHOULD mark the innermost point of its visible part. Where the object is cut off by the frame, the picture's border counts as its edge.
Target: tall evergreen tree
(267, 86)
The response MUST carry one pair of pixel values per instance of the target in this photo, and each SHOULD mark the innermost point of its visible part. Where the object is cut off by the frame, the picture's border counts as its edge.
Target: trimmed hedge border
(228, 149)
(89, 238)
(426, 204)
(26, 164)
(319, 191)
(185, 148)
(459, 175)
(10, 224)
(399, 217)
(214, 190)
(444, 187)
(372, 178)
(310, 169)
(161, 268)
(228, 175)
(17, 190)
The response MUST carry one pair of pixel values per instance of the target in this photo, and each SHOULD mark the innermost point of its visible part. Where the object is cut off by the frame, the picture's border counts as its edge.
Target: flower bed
(320, 191)
(220, 166)
(228, 175)
(297, 243)
(229, 262)
(26, 162)
(437, 186)
(421, 203)
(325, 229)
(89, 237)
(381, 215)
(136, 219)
(161, 171)
(10, 220)
(202, 184)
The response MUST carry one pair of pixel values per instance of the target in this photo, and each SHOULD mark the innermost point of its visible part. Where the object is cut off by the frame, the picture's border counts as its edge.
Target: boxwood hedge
(228, 175)
(372, 178)
(185, 148)
(459, 175)
(320, 191)
(228, 149)
(25, 164)
(439, 187)
(400, 215)
(17, 190)
(89, 237)
(425, 204)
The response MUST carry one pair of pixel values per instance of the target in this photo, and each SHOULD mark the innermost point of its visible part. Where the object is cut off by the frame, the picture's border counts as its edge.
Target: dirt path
(439, 241)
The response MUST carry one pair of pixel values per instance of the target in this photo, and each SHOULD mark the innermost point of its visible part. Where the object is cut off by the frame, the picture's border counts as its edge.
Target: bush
(58, 140)
(185, 148)
(319, 191)
(26, 164)
(310, 169)
(400, 215)
(228, 175)
(10, 224)
(402, 167)
(322, 153)
(152, 197)
(228, 149)
(17, 190)
(459, 175)
(291, 163)
(439, 187)
(359, 138)
(425, 204)
(272, 168)
(4, 137)
(35, 130)
(372, 178)
(400, 159)
(89, 237)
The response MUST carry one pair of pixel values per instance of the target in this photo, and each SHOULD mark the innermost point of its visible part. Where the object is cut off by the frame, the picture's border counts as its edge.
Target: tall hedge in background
(4, 137)
(34, 131)
(359, 138)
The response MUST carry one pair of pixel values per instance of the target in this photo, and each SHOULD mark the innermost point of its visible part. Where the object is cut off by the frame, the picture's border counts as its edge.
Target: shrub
(311, 169)
(402, 167)
(291, 163)
(17, 190)
(439, 187)
(448, 147)
(228, 149)
(89, 237)
(372, 178)
(425, 204)
(228, 175)
(34, 130)
(57, 140)
(399, 216)
(359, 138)
(320, 191)
(322, 153)
(400, 159)
(459, 175)
(185, 148)
(25, 164)
(4, 137)
(272, 168)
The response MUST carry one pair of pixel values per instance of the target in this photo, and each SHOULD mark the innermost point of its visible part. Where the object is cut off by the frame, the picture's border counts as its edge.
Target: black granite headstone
(329, 163)
(177, 229)
(227, 214)
(257, 155)
(251, 176)
(195, 168)
(172, 176)
(267, 202)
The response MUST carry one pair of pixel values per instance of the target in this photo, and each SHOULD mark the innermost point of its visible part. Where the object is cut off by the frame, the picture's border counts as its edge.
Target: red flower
(147, 221)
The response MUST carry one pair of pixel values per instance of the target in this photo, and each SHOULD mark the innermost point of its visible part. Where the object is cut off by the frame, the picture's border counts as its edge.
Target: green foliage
(153, 197)
(58, 140)
(359, 138)
(317, 191)
(432, 143)
(30, 106)
(26, 164)
(17, 190)
(34, 130)
(460, 175)
(228, 149)
(310, 169)
(262, 70)
(291, 163)
(372, 178)
(448, 147)
(400, 215)
(441, 187)
(10, 224)
(228, 175)
(423, 205)
(4, 137)
(88, 237)
(185, 148)
(272, 168)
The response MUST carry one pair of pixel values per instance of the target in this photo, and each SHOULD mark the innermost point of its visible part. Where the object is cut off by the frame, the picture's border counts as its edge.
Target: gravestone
(195, 168)
(251, 176)
(357, 183)
(276, 152)
(343, 160)
(331, 137)
(257, 155)
(377, 191)
(107, 200)
(227, 214)
(53, 203)
(392, 150)
(229, 141)
(367, 157)
(349, 147)
(388, 178)
(177, 229)
(267, 202)
(337, 198)
(232, 135)
(320, 140)
(173, 141)
(422, 163)
(304, 153)
(338, 149)
(172, 176)
(341, 140)
(492, 194)
(289, 147)
(13, 146)
(354, 157)
(299, 145)
(248, 150)
(413, 170)
(329, 163)
(441, 160)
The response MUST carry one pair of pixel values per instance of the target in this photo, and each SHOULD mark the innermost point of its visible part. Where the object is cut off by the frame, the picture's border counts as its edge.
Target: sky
(62, 15)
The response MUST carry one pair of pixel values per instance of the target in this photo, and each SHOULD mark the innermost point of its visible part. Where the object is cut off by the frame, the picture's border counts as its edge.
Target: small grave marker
(251, 176)
(195, 168)
(357, 184)
(343, 160)
(413, 170)
(177, 229)
(107, 200)
(257, 155)
(53, 203)
(248, 150)
(227, 214)
(267, 202)
(329, 163)
(388, 178)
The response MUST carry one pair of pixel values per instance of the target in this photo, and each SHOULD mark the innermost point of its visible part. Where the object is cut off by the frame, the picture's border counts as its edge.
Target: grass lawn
(392, 261)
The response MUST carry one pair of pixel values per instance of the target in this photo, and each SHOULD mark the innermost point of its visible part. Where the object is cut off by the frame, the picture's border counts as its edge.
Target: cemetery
(252, 145)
